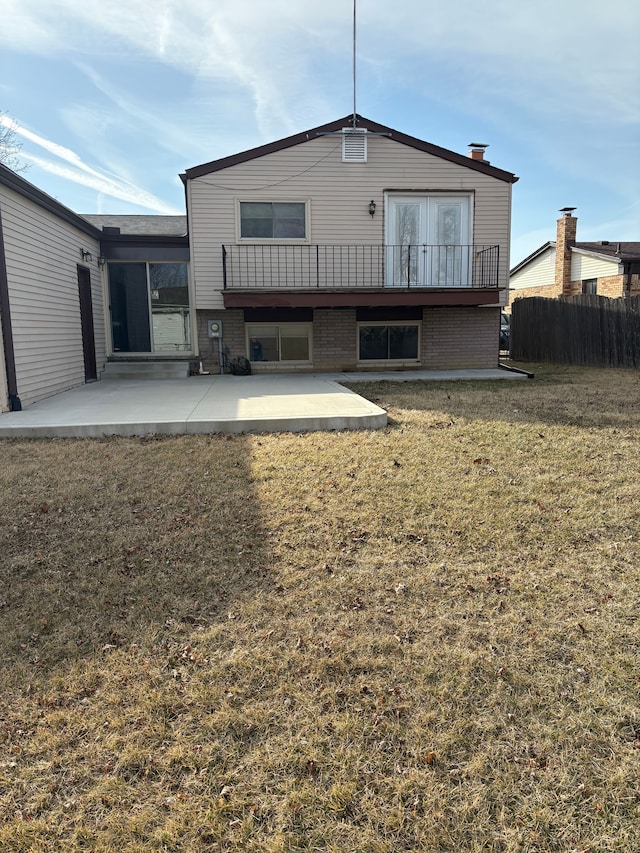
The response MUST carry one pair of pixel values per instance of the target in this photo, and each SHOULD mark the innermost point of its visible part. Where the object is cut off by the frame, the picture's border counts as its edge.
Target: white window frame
(274, 240)
(361, 323)
(427, 225)
(307, 325)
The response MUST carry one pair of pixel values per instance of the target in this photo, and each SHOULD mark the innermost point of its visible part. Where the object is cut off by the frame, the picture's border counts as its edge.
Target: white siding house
(566, 267)
(313, 253)
(350, 246)
(48, 275)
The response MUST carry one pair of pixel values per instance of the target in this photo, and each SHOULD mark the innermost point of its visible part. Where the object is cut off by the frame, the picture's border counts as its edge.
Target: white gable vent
(354, 145)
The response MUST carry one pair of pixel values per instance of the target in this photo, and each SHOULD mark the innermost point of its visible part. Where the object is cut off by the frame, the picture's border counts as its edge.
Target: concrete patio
(209, 404)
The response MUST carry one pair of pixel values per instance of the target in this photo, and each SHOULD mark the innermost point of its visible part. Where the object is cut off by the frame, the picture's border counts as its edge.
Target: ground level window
(590, 286)
(283, 342)
(382, 342)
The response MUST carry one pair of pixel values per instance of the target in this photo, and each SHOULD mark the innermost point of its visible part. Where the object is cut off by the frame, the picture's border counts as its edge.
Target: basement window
(386, 342)
(282, 342)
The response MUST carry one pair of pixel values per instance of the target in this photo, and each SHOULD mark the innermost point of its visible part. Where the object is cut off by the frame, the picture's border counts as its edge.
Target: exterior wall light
(372, 208)
(102, 260)
(86, 255)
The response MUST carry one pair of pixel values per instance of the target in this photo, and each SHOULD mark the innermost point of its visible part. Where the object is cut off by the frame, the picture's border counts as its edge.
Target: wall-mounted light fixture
(372, 208)
(101, 260)
(86, 255)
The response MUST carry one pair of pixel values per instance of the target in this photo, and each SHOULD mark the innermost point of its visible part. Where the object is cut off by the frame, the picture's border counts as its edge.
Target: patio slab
(209, 404)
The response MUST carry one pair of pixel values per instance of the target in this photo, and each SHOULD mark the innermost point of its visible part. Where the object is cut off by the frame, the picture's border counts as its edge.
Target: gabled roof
(550, 245)
(609, 251)
(166, 226)
(336, 127)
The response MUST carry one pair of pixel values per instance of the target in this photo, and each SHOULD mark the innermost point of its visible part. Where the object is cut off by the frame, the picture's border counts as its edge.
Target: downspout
(7, 333)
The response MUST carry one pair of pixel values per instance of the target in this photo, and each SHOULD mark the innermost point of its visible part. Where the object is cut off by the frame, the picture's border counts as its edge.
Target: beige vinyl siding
(586, 266)
(538, 273)
(340, 194)
(42, 258)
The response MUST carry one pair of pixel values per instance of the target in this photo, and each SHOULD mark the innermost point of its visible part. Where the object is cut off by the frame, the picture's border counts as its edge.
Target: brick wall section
(233, 337)
(452, 338)
(611, 286)
(635, 284)
(456, 338)
(334, 339)
(566, 233)
(548, 291)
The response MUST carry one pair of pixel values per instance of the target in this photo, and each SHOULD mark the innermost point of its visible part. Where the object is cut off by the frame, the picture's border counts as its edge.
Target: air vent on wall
(354, 145)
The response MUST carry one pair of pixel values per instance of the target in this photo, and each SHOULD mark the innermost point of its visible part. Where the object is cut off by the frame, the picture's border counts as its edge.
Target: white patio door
(428, 241)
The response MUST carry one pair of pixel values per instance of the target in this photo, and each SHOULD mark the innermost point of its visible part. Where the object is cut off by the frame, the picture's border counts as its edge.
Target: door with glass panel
(428, 241)
(149, 306)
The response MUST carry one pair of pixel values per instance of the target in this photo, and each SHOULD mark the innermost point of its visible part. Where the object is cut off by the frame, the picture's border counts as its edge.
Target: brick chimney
(476, 150)
(565, 238)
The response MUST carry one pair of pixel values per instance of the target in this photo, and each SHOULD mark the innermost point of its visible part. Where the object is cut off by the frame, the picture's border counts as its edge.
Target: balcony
(300, 267)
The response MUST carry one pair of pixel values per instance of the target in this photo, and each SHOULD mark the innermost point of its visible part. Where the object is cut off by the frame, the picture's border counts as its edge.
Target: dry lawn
(419, 639)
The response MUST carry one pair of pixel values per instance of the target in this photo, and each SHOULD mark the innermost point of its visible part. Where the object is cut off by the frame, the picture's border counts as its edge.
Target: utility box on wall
(214, 328)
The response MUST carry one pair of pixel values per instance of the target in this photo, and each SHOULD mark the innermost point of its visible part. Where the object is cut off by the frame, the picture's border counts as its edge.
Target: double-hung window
(273, 220)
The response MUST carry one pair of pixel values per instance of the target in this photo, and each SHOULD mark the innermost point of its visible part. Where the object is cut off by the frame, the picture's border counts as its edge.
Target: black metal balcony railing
(291, 267)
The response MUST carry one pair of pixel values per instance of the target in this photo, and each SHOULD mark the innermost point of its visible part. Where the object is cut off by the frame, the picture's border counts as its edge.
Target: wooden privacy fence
(593, 330)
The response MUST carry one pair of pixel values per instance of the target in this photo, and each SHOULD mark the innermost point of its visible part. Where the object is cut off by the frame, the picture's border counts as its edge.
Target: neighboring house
(605, 268)
(51, 307)
(349, 248)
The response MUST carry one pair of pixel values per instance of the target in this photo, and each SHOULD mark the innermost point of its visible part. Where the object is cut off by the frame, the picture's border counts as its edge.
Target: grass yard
(424, 638)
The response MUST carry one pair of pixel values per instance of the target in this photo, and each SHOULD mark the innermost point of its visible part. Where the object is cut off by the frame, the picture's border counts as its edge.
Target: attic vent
(354, 145)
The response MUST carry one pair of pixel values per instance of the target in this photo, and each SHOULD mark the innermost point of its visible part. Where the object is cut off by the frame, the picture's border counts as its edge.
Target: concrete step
(146, 370)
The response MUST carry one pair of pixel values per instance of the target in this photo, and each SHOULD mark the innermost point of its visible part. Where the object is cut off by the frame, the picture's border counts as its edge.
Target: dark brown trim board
(353, 299)
(7, 333)
(336, 127)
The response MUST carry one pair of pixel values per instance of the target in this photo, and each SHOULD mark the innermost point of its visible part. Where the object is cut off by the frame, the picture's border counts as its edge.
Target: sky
(112, 100)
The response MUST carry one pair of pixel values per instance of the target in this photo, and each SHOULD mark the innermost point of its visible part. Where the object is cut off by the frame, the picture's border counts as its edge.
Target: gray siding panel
(42, 258)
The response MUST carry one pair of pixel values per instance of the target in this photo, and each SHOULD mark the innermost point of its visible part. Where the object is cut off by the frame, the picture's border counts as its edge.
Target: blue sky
(113, 100)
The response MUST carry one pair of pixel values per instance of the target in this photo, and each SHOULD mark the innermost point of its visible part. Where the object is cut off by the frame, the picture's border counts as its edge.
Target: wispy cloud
(85, 175)
(517, 52)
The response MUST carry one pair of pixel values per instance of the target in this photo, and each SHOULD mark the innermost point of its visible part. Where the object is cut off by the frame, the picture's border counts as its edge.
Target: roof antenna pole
(354, 120)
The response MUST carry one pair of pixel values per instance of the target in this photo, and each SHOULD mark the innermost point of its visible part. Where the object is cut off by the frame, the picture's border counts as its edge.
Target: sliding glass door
(149, 306)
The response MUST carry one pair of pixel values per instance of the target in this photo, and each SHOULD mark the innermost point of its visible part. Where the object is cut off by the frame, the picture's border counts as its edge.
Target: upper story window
(273, 220)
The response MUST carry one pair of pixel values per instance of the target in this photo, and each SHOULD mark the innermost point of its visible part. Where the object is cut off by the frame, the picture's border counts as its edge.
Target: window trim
(272, 241)
(307, 325)
(398, 361)
(152, 352)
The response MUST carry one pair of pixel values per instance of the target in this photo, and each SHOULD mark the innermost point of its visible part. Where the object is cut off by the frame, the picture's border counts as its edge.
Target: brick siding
(233, 338)
(549, 291)
(451, 338)
(456, 338)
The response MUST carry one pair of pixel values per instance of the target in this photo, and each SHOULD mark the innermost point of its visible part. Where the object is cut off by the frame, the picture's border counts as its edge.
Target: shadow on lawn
(103, 540)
